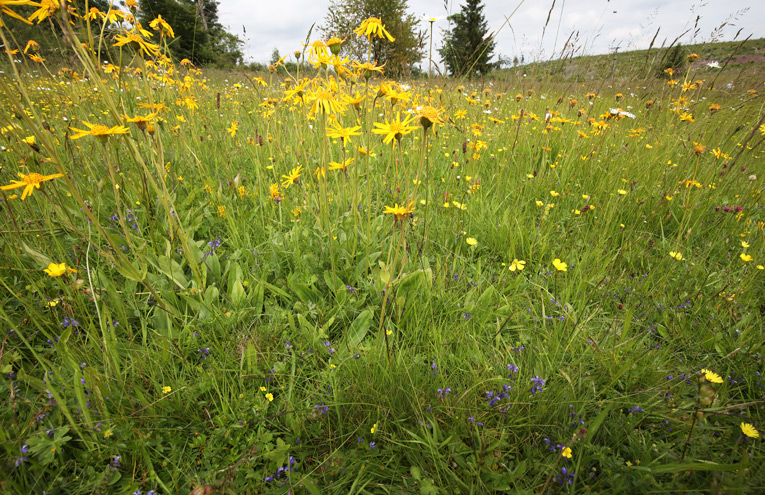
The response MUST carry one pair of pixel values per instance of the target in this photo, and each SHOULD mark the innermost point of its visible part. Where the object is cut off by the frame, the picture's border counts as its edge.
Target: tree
(468, 46)
(199, 36)
(399, 56)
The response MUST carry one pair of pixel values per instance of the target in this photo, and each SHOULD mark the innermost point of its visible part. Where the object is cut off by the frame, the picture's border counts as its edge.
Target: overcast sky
(599, 25)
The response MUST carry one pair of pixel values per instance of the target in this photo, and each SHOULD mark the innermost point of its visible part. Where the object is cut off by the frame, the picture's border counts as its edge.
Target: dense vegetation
(345, 284)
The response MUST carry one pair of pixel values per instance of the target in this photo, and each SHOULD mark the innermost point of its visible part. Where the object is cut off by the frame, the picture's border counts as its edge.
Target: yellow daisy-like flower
(395, 129)
(340, 166)
(373, 27)
(141, 121)
(292, 178)
(399, 212)
(29, 182)
(471, 241)
(47, 8)
(269, 397)
(745, 257)
(159, 24)
(518, 265)
(167, 390)
(566, 453)
(136, 42)
(559, 265)
(232, 130)
(98, 131)
(711, 376)
(4, 8)
(749, 430)
(345, 133)
(622, 192)
(677, 255)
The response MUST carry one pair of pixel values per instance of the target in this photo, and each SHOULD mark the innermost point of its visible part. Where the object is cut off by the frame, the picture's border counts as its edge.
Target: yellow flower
(159, 24)
(471, 241)
(744, 244)
(29, 182)
(399, 212)
(140, 121)
(622, 192)
(47, 7)
(554, 194)
(4, 8)
(517, 265)
(374, 427)
(325, 101)
(745, 257)
(269, 397)
(566, 453)
(430, 116)
(98, 131)
(344, 133)
(559, 265)
(677, 255)
(395, 129)
(291, 178)
(262, 389)
(340, 166)
(540, 203)
(56, 269)
(711, 376)
(232, 130)
(167, 390)
(136, 42)
(371, 27)
(108, 433)
(750, 430)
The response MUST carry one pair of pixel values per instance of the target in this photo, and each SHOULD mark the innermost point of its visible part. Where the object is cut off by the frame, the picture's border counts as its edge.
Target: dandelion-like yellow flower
(159, 24)
(395, 129)
(373, 27)
(749, 430)
(711, 376)
(341, 165)
(141, 121)
(98, 131)
(399, 212)
(135, 41)
(29, 182)
(471, 241)
(5, 9)
(559, 265)
(291, 178)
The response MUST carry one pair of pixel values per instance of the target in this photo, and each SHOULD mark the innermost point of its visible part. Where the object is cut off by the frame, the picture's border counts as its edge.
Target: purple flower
(538, 384)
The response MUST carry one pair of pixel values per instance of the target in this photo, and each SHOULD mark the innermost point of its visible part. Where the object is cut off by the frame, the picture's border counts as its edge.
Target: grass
(224, 323)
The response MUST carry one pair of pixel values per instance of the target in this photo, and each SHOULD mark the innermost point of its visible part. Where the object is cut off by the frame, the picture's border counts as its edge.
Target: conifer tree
(468, 46)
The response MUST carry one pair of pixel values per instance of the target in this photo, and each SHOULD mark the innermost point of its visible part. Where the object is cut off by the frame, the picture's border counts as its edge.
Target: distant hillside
(737, 59)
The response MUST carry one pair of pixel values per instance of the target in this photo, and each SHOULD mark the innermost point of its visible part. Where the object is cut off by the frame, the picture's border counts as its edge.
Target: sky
(598, 26)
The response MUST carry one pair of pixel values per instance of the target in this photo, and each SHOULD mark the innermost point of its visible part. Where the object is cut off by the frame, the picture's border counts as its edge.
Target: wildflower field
(328, 282)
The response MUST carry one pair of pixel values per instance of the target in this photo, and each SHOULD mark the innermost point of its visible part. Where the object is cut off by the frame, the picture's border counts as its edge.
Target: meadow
(329, 282)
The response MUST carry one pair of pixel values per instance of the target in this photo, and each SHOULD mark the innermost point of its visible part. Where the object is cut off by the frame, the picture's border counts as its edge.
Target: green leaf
(359, 328)
(237, 293)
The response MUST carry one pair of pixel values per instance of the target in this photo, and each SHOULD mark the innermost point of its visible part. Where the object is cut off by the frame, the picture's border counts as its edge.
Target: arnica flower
(395, 129)
(559, 265)
(98, 131)
(711, 376)
(29, 182)
(159, 24)
(57, 269)
(141, 121)
(430, 117)
(292, 178)
(47, 8)
(750, 430)
(137, 43)
(340, 166)
(399, 212)
(4, 8)
(373, 27)
(345, 133)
